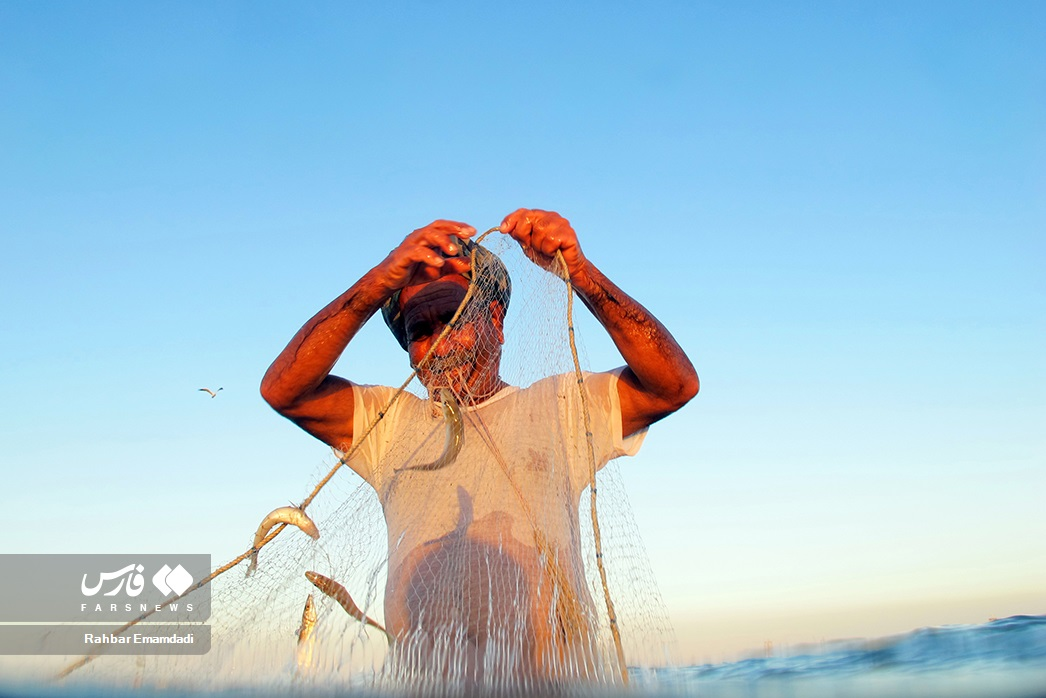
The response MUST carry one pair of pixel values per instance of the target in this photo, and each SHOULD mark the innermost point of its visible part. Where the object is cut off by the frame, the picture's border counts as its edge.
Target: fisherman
(484, 546)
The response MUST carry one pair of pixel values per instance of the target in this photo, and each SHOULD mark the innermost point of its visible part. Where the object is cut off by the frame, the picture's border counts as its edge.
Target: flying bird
(212, 393)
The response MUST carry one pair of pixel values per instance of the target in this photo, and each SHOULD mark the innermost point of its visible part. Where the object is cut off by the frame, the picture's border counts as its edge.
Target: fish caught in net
(462, 542)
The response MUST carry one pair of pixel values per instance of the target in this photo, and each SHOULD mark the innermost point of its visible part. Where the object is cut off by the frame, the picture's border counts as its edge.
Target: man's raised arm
(299, 384)
(658, 378)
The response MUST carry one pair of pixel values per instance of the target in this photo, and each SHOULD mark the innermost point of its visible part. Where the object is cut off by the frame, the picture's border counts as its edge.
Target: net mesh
(462, 534)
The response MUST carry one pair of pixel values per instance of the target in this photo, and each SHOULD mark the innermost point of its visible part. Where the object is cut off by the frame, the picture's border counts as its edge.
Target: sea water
(1004, 658)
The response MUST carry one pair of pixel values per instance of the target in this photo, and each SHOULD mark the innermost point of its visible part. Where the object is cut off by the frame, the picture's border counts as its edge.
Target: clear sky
(838, 208)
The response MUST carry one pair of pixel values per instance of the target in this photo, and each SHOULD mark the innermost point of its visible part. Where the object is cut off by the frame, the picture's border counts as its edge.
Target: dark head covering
(492, 284)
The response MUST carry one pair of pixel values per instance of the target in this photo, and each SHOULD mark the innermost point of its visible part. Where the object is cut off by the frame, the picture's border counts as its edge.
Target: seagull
(212, 393)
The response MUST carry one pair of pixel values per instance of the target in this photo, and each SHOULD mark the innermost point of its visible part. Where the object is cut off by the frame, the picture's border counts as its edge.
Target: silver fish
(304, 632)
(453, 436)
(293, 516)
(308, 621)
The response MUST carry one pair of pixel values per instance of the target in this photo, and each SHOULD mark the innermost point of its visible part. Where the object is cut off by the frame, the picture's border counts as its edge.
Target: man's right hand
(425, 255)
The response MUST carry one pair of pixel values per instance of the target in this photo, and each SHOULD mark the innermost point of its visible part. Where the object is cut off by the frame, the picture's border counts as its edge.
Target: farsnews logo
(106, 587)
(166, 580)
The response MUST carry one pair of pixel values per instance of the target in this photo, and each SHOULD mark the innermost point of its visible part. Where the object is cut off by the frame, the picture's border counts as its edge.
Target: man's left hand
(542, 234)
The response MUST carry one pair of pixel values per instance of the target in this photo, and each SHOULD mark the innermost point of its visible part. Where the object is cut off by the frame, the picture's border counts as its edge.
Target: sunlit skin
(658, 378)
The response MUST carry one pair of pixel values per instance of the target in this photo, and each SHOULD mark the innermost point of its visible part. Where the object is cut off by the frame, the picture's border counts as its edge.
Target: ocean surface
(1004, 658)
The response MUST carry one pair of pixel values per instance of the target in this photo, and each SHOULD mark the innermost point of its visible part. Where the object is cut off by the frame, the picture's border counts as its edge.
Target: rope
(597, 538)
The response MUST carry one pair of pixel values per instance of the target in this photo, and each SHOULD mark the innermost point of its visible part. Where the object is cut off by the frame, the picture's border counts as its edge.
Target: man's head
(468, 358)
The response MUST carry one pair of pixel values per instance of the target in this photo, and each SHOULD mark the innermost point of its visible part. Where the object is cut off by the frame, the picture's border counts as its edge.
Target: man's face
(468, 358)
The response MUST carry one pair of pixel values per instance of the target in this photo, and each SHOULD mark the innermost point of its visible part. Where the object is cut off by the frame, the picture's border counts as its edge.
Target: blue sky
(837, 208)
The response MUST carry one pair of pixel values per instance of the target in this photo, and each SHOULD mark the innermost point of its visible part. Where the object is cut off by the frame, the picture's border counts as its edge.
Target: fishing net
(473, 549)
